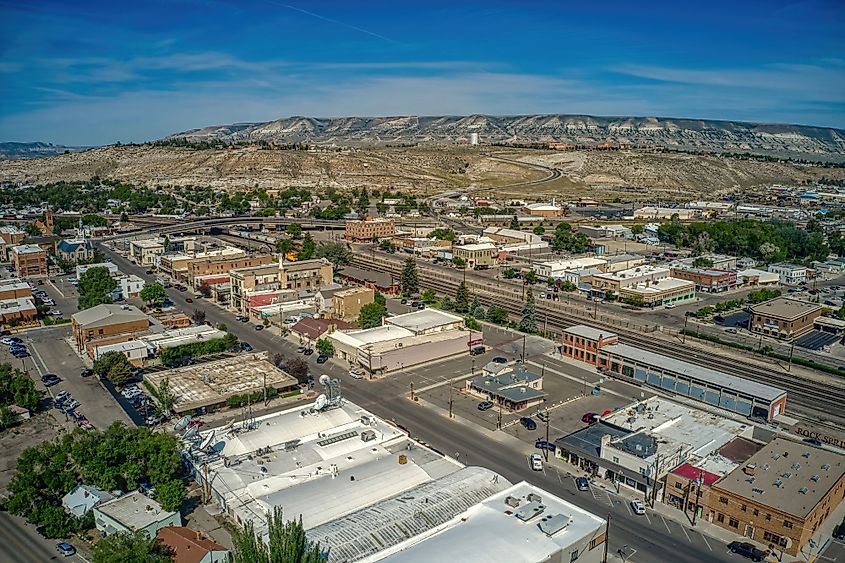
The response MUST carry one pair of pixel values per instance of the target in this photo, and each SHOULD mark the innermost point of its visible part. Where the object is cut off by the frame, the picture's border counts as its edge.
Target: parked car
(188, 300)
(485, 405)
(61, 397)
(730, 330)
(42, 531)
(638, 507)
(543, 416)
(246, 347)
(321, 359)
(499, 360)
(535, 461)
(528, 423)
(582, 483)
(21, 354)
(50, 379)
(87, 372)
(9, 340)
(477, 350)
(356, 373)
(544, 445)
(403, 301)
(65, 549)
(259, 327)
(308, 351)
(589, 417)
(839, 531)
(747, 550)
(813, 441)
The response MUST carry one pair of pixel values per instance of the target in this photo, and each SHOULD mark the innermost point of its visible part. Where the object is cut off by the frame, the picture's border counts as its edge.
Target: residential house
(133, 512)
(82, 498)
(191, 546)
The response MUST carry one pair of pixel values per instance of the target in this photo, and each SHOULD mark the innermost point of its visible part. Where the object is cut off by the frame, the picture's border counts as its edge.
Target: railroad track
(826, 400)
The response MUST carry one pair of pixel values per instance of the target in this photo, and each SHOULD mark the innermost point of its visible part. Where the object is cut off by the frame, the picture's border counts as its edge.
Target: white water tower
(473, 139)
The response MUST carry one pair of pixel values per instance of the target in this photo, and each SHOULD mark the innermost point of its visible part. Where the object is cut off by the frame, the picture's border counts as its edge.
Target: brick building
(246, 281)
(477, 256)
(114, 323)
(783, 318)
(10, 236)
(368, 229)
(707, 280)
(221, 266)
(18, 309)
(347, 304)
(780, 496)
(583, 343)
(29, 260)
(13, 288)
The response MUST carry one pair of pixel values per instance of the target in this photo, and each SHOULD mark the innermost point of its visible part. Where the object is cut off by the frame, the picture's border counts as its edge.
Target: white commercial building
(133, 512)
(522, 524)
(130, 285)
(134, 350)
(790, 274)
(179, 337)
(558, 268)
(145, 251)
(405, 341)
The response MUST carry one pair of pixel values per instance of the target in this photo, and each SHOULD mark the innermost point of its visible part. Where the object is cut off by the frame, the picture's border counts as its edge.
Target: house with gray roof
(133, 512)
(83, 498)
(514, 390)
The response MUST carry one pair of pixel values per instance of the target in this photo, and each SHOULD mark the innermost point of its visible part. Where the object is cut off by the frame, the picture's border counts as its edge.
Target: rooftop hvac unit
(513, 502)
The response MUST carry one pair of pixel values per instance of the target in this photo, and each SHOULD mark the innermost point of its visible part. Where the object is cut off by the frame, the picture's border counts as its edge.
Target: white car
(536, 462)
(56, 313)
(356, 373)
(669, 306)
(638, 507)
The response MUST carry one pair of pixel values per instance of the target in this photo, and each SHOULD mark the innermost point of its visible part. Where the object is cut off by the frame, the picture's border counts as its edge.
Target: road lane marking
(686, 534)
(38, 354)
(705, 541)
(628, 506)
(666, 524)
(647, 518)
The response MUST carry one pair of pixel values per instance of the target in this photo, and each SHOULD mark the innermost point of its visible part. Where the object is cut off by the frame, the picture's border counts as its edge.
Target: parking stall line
(705, 541)
(666, 524)
(686, 534)
(629, 509)
(647, 518)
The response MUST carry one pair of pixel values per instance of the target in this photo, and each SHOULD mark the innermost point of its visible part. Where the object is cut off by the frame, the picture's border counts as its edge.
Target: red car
(188, 300)
(589, 417)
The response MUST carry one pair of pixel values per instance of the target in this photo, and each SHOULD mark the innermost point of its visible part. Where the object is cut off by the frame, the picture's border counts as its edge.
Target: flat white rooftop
(539, 528)
(358, 338)
(423, 320)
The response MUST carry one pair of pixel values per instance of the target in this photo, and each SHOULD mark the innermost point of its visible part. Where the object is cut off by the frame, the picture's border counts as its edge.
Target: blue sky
(86, 73)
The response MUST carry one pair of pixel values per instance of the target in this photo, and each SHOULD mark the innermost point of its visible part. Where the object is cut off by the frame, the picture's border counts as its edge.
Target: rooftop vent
(530, 510)
(796, 466)
(532, 497)
(751, 479)
(512, 501)
(803, 490)
(778, 483)
(765, 466)
(814, 478)
(756, 490)
(750, 469)
(554, 523)
(826, 467)
(786, 474)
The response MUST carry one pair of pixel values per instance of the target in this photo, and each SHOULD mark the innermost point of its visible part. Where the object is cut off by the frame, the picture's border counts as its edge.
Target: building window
(678, 485)
(615, 459)
(770, 537)
(720, 517)
(787, 524)
(573, 555)
(733, 523)
(723, 500)
(743, 508)
(756, 512)
(768, 517)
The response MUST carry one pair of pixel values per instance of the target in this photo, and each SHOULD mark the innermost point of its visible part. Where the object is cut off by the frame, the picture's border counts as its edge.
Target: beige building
(107, 323)
(369, 228)
(246, 281)
(9, 236)
(477, 256)
(29, 260)
(783, 318)
(145, 251)
(307, 275)
(346, 304)
(176, 265)
(543, 210)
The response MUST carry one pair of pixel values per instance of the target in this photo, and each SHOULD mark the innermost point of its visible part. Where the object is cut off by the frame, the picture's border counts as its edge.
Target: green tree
(609, 296)
(108, 361)
(530, 277)
(287, 543)
(509, 273)
(565, 239)
(153, 293)
(134, 547)
(335, 252)
(462, 298)
(94, 287)
(428, 296)
(539, 230)
(567, 286)
(198, 317)
(446, 304)
(119, 374)
(371, 315)
(380, 299)
(528, 323)
(171, 494)
(702, 262)
(124, 217)
(165, 396)
(498, 315)
(17, 388)
(298, 368)
(514, 223)
(325, 347)
(294, 230)
(637, 229)
(285, 246)
(309, 249)
(459, 262)
(443, 233)
(410, 279)
(475, 308)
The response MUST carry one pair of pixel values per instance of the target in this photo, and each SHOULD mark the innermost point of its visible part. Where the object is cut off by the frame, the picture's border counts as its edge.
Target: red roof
(315, 328)
(692, 473)
(188, 546)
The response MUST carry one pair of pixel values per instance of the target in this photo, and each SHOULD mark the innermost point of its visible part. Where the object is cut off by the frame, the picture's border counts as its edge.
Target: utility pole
(499, 418)
(265, 388)
(684, 334)
(412, 390)
(606, 538)
(450, 398)
(523, 349)
(697, 495)
(791, 350)
(546, 449)
(545, 323)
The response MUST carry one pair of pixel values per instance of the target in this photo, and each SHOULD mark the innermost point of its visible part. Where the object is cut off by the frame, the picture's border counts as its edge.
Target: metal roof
(701, 373)
(425, 319)
(589, 332)
(108, 314)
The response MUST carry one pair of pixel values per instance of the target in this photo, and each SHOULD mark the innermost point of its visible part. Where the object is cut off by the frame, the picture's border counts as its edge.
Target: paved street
(496, 450)
(19, 543)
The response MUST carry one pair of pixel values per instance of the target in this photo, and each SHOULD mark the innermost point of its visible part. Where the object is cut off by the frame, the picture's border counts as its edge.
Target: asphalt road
(19, 543)
(650, 538)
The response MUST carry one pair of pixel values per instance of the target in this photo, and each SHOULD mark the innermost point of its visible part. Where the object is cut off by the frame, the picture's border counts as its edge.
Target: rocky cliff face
(32, 150)
(818, 143)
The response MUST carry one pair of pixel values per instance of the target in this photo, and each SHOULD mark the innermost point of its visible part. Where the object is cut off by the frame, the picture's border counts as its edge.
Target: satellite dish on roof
(321, 402)
(324, 379)
(182, 423)
(192, 431)
(207, 441)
